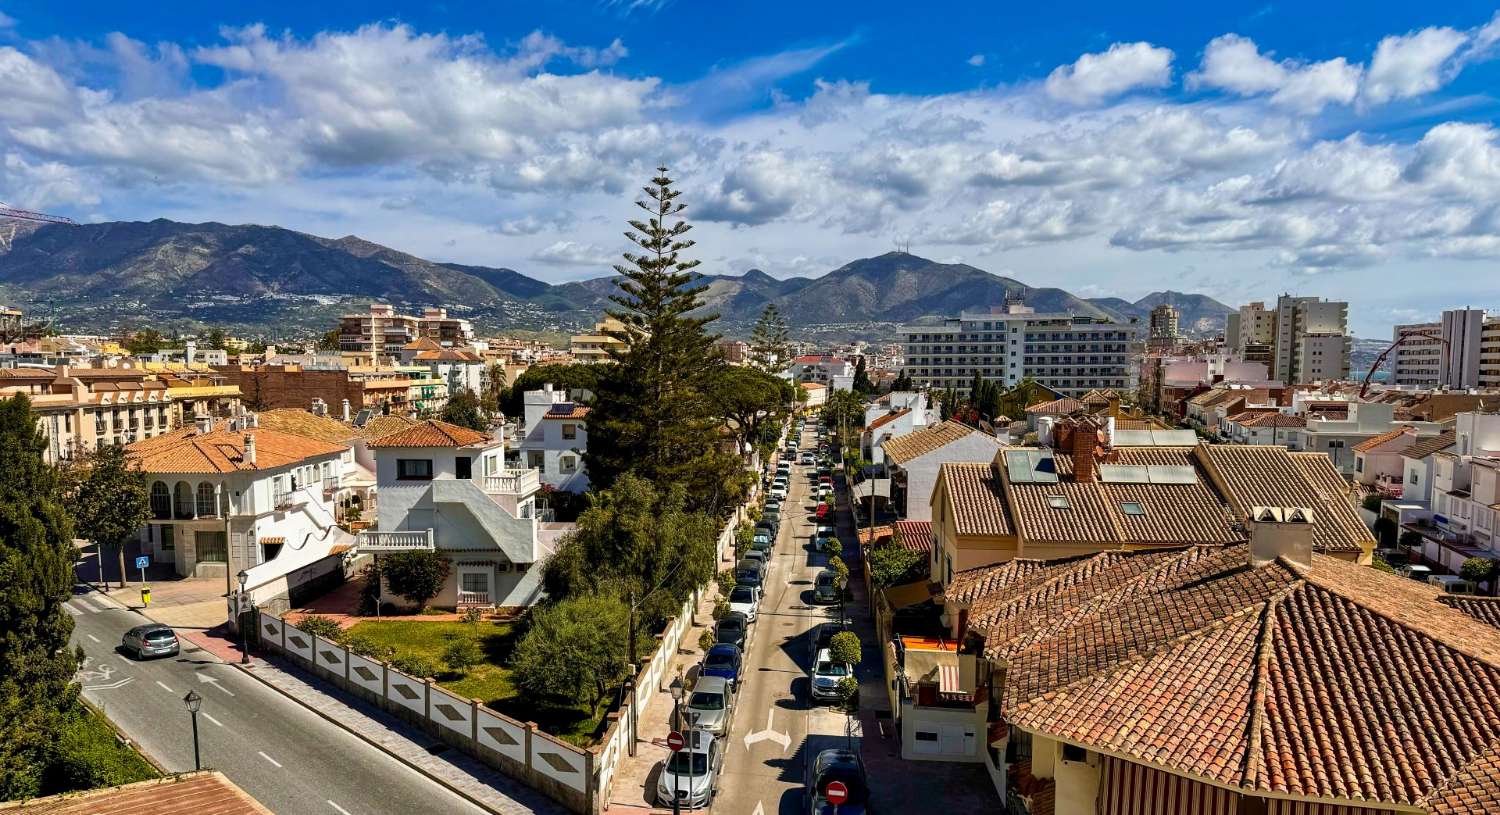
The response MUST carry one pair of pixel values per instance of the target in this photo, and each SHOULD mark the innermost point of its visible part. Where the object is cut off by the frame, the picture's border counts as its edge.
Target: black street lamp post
(239, 612)
(193, 702)
(676, 688)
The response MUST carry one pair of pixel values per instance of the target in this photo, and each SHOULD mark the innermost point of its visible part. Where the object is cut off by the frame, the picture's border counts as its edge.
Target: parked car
(724, 661)
(692, 774)
(822, 510)
(827, 673)
(807, 457)
(745, 600)
(711, 705)
(761, 541)
(759, 556)
(820, 638)
(778, 489)
(732, 628)
(151, 640)
(842, 765)
(748, 574)
(826, 587)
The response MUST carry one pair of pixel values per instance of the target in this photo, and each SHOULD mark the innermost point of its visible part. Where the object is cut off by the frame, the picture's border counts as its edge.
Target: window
(161, 500)
(212, 547)
(570, 431)
(1072, 752)
(1058, 502)
(535, 460)
(168, 540)
(463, 467)
(476, 582)
(1132, 508)
(568, 464)
(412, 469)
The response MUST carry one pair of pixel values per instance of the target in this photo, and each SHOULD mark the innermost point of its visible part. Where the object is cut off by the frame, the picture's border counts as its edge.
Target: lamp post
(193, 702)
(239, 612)
(676, 689)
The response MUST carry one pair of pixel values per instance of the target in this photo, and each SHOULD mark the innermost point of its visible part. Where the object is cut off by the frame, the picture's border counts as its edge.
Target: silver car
(692, 774)
(711, 705)
(151, 640)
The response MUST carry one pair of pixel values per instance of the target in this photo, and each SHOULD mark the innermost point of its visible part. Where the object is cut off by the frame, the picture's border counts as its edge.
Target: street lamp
(240, 613)
(676, 689)
(193, 702)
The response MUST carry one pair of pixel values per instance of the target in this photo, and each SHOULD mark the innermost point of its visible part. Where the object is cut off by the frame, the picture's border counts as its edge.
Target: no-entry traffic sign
(836, 792)
(675, 741)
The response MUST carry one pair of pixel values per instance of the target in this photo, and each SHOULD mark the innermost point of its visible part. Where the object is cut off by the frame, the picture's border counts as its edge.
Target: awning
(899, 597)
(275, 540)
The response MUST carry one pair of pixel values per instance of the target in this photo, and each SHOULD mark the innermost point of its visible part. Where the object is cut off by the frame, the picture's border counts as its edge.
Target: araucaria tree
(36, 576)
(651, 410)
(770, 350)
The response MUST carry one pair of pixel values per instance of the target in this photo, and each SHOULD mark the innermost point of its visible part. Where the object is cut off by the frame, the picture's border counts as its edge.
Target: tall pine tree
(36, 576)
(651, 412)
(770, 349)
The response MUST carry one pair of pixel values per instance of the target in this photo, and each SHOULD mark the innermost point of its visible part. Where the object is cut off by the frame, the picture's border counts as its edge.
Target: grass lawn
(489, 681)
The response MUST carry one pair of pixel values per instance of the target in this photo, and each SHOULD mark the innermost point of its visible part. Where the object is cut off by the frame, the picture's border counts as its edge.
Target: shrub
(369, 592)
(726, 581)
(415, 665)
(473, 615)
(1479, 569)
(366, 647)
(706, 640)
(892, 565)
(86, 755)
(849, 693)
(1371, 502)
(462, 654)
(721, 607)
(844, 647)
(1410, 539)
(1381, 566)
(322, 627)
(417, 576)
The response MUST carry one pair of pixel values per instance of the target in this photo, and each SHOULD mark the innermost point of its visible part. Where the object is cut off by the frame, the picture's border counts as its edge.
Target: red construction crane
(1405, 335)
(7, 211)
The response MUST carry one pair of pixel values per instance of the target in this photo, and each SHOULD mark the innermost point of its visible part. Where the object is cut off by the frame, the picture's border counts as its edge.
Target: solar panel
(1030, 467)
(1124, 474)
(363, 417)
(1174, 438)
(1172, 474)
(1132, 438)
(561, 408)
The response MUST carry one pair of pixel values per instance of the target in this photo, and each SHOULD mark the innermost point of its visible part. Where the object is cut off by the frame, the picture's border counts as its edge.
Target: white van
(1451, 583)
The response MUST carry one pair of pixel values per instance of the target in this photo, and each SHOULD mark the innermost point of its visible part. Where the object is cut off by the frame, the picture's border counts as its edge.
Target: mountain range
(106, 275)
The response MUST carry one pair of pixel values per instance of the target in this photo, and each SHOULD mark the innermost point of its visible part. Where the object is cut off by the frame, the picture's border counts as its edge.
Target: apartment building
(1168, 381)
(1461, 350)
(1071, 354)
(382, 331)
(834, 371)
(446, 489)
(1250, 333)
(1312, 343)
(598, 345)
(297, 385)
(553, 438)
(1163, 331)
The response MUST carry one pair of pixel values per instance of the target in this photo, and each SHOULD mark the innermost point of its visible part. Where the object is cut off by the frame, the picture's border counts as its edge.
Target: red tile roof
(1268, 419)
(1375, 441)
(578, 412)
(977, 498)
(1061, 407)
(901, 449)
(1483, 609)
(915, 536)
(223, 450)
(888, 418)
(202, 793)
(1251, 475)
(431, 433)
(1422, 448)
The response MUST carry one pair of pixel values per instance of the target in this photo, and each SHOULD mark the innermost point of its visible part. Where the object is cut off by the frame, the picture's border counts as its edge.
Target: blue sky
(1340, 149)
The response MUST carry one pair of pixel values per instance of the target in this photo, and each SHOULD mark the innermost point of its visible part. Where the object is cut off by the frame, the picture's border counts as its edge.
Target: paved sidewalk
(449, 766)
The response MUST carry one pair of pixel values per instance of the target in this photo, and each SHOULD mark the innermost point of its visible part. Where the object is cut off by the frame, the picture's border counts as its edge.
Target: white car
(826, 676)
(745, 600)
(778, 489)
(692, 774)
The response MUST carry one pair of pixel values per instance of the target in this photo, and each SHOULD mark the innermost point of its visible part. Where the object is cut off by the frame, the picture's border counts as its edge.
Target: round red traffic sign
(675, 741)
(836, 792)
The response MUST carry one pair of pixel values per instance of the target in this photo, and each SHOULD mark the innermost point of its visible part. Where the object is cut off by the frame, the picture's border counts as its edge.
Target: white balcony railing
(474, 598)
(404, 541)
(513, 482)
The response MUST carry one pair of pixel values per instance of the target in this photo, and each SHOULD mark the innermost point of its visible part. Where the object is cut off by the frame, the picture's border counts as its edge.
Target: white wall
(922, 472)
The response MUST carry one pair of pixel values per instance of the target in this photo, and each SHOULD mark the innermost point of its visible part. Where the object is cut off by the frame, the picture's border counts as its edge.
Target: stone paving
(450, 767)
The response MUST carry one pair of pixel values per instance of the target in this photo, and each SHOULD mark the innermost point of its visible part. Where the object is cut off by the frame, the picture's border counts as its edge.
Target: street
(284, 755)
(776, 727)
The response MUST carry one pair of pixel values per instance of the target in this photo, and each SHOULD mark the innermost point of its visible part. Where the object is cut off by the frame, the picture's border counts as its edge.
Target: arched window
(207, 505)
(161, 501)
(182, 500)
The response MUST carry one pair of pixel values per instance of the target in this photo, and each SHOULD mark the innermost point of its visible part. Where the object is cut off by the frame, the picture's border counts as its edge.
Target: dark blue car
(723, 660)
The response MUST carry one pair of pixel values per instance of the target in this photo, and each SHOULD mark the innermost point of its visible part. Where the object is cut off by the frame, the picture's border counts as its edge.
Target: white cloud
(1412, 64)
(1124, 67)
(574, 253)
(1235, 64)
(977, 60)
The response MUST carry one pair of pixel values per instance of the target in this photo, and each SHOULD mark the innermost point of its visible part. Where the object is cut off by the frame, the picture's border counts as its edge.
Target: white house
(894, 414)
(554, 437)
(824, 369)
(456, 367)
(1338, 432)
(914, 459)
(445, 488)
(235, 496)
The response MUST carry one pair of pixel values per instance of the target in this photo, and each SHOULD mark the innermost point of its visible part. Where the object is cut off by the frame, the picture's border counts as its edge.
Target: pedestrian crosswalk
(93, 605)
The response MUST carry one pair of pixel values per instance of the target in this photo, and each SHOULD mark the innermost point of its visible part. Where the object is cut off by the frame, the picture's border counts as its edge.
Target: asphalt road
(775, 725)
(287, 757)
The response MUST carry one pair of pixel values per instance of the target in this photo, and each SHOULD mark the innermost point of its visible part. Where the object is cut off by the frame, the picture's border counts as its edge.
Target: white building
(554, 437)
(914, 459)
(458, 368)
(824, 369)
(1071, 354)
(1312, 343)
(1462, 350)
(445, 488)
(894, 414)
(1338, 435)
(234, 496)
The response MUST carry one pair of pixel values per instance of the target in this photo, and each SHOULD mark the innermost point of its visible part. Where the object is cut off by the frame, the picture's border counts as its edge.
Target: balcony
(512, 482)
(406, 541)
(470, 599)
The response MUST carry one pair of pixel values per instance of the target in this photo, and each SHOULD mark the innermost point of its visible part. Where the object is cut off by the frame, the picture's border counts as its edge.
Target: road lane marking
(338, 808)
(75, 612)
(164, 687)
(204, 677)
(273, 761)
(92, 637)
(111, 686)
(84, 604)
(212, 719)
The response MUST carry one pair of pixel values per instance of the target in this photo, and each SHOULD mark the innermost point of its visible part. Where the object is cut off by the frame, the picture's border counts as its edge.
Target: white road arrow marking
(760, 809)
(204, 677)
(769, 734)
(111, 686)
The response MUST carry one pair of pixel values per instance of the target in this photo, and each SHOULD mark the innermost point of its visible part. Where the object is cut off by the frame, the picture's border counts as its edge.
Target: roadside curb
(249, 670)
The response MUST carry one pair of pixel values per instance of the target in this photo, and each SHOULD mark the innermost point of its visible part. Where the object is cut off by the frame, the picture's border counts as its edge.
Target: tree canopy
(749, 400)
(574, 649)
(464, 410)
(112, 502)
(418, 575)
(573, 377)
(770, 348)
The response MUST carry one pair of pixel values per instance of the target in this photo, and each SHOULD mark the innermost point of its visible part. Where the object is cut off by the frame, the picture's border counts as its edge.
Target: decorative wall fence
(575, 777)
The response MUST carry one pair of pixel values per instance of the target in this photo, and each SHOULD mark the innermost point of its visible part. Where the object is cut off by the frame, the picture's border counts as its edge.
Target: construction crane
(8, 211)
(1405, 335)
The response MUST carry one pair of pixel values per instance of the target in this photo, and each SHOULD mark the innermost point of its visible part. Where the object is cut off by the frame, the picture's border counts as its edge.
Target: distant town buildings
(554, 437)
(1069, 353)
(1461, 350)
(1303, 340)
(596, 346)
(1163, 329)
(380, 330)
(824, 369)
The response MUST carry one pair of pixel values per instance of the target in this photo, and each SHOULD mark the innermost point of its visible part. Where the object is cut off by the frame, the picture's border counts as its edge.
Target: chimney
(346, 410)
(1281, 532)
(204, 423)
(250, 449)
(1082, 446)
(1114, 405)
(319, 407)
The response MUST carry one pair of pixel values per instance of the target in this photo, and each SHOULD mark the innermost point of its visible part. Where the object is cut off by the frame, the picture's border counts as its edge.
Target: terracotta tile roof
(431, 433)
(204, 793)
(223, 450)
(422, 344)
(383, 425)
(1098, 398)
(1216, 396)
(888, 418)
(1329, 680)
(915, 536)
(1061, 407)
(1422, 448)
(1374, 442)
(578, 412)
(1268, 419)
(305, 423)
(918, 443)
(448, 355)
(1483, 609)
(977, 498)
(1252, 475)
(1141, 424)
